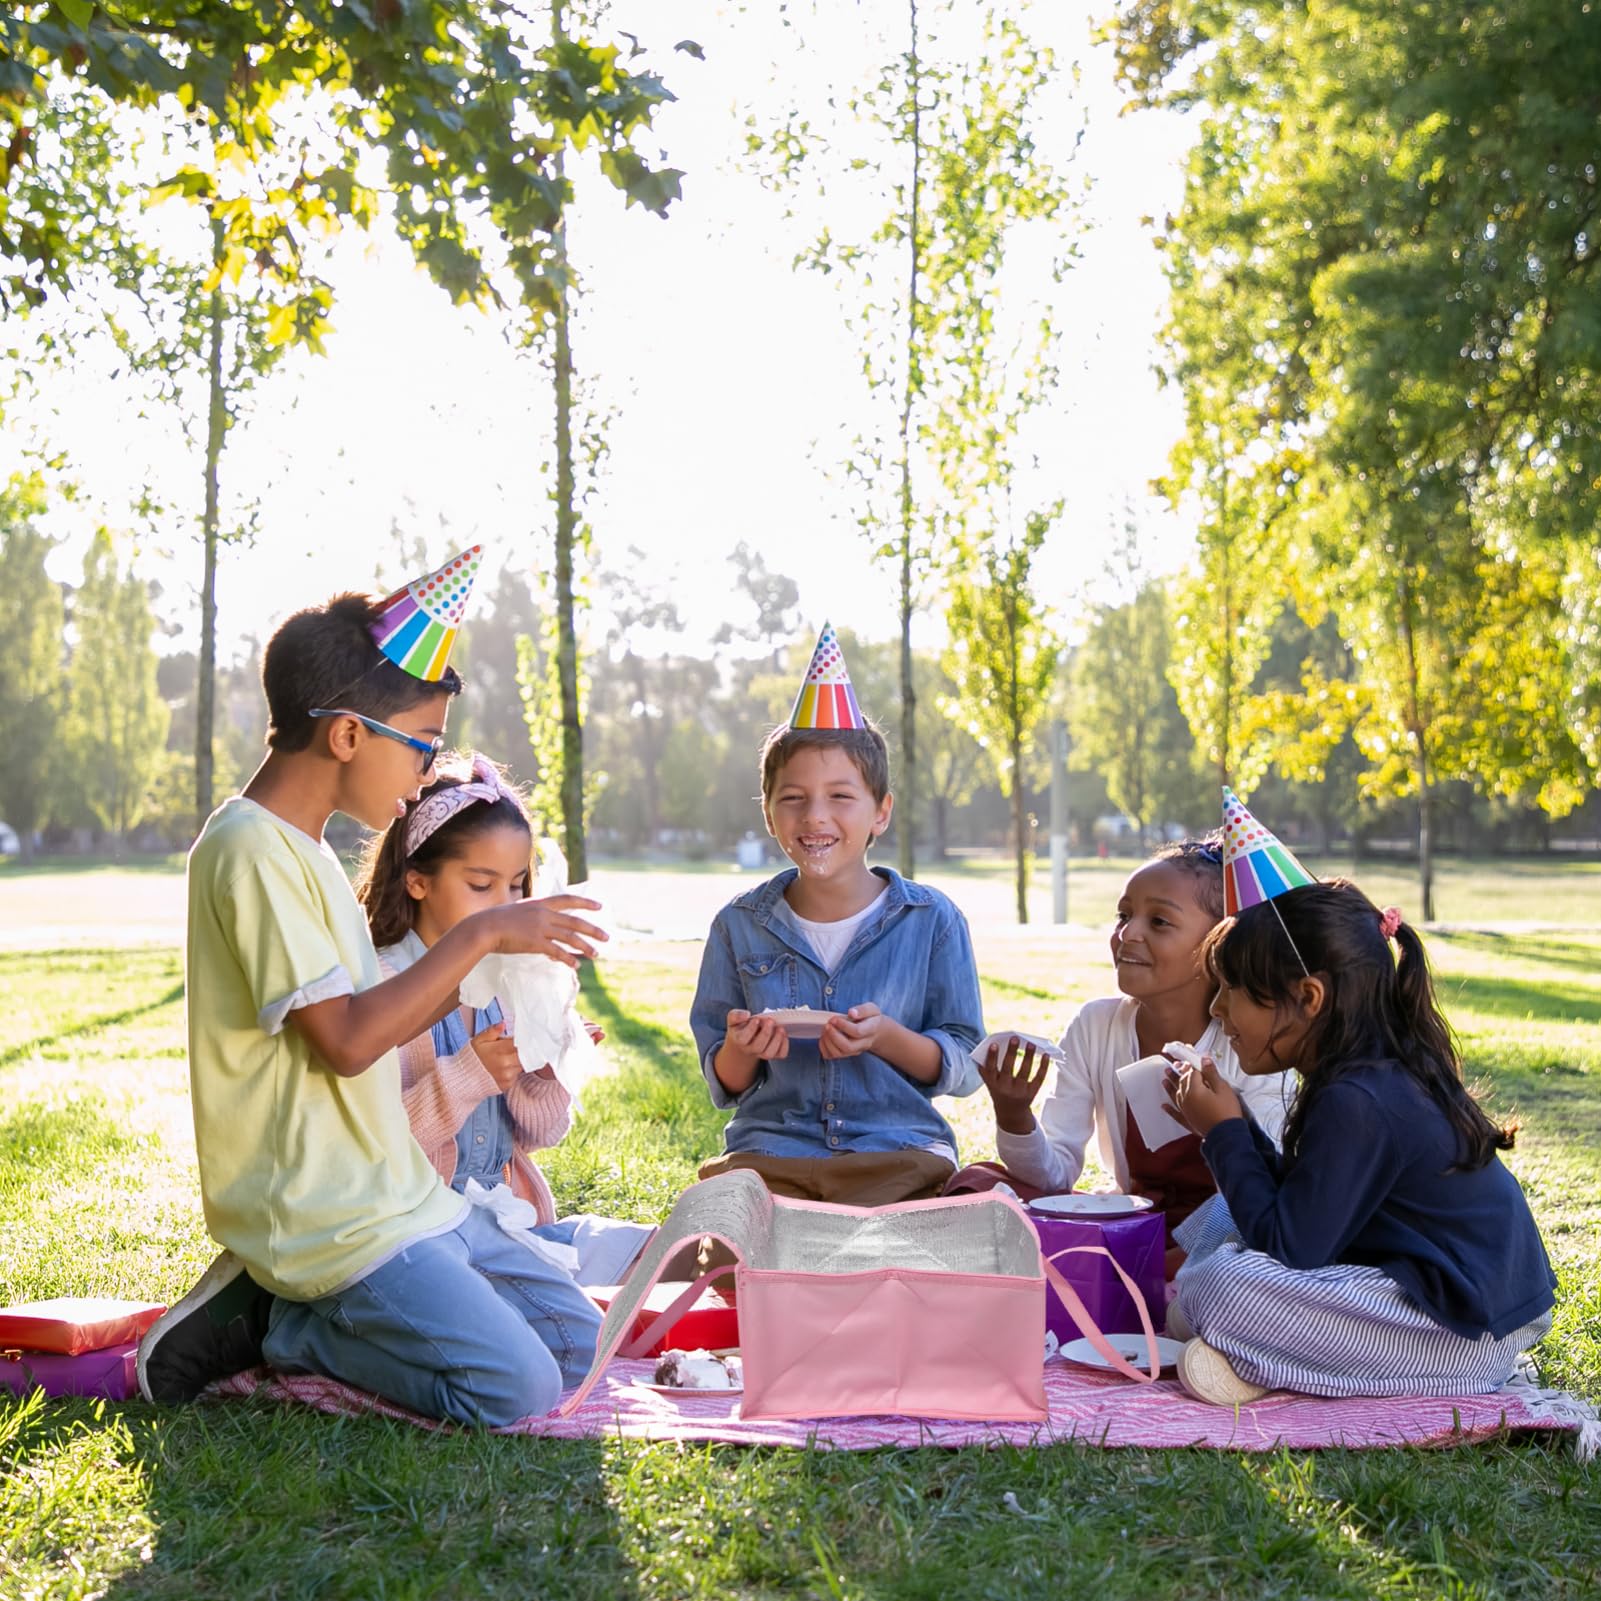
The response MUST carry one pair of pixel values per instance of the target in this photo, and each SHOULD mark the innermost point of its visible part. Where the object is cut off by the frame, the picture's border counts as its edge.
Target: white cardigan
(1086, 1097)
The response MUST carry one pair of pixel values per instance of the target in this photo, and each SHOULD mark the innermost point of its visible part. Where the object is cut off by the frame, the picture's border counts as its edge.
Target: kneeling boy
(347, 1255)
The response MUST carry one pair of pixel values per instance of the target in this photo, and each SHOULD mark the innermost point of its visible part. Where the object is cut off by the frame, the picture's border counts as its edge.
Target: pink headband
(1389, 921)
(486, 784)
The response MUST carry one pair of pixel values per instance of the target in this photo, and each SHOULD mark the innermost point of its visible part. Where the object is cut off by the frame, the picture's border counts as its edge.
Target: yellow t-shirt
(312, 1179)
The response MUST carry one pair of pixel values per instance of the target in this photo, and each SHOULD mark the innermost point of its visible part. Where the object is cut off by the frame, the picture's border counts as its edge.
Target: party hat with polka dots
(418, 624)
(1256, 867)
(826, 699)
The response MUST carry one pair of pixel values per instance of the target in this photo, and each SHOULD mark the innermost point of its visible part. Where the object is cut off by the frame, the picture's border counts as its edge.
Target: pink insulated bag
(929, 1309)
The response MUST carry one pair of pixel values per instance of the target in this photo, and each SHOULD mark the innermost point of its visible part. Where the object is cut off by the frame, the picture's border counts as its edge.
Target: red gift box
(1138, 1243)
(75, 1324)
(110, 1372)
(711, 1324)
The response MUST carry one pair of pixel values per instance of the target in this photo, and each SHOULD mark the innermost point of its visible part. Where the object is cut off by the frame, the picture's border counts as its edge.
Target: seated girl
(464, 844)
(1387, 1251)
(1167, 909)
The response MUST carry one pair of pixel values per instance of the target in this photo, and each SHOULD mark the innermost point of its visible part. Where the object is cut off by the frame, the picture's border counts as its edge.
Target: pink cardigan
(441, 1093)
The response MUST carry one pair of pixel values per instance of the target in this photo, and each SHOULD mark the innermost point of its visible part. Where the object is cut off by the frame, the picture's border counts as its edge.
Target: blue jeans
(468, 1325)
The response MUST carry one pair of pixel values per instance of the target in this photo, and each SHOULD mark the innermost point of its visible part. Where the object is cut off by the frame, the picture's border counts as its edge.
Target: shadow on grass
(244, 1499)
(1524, 947)
(644, 1128)
(90, 1025)
(1524, 999)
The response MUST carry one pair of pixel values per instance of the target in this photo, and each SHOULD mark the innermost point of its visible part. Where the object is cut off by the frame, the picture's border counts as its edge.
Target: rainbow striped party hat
(826, 699)
(417, 627)
(1256, 867)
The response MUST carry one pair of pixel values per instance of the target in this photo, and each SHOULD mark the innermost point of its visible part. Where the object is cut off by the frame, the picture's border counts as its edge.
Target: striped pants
(1339, 1330)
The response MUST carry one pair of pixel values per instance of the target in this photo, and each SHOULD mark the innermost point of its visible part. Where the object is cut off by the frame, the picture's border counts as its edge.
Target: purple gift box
(109, 1373)
(1139, 1245)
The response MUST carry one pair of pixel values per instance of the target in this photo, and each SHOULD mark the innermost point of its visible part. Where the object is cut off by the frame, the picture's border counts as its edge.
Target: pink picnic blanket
(1085, 1405)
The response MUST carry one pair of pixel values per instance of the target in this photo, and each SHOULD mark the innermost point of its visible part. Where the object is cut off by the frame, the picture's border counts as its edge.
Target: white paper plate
(1042, 1047)
(1081, 1204)
(1131, 1347)
(685, 1389)
(799, 1022)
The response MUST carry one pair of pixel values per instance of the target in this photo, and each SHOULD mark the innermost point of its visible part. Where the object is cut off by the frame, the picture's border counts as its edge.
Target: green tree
(116, 723)
(31, 623)
(944, 141)
(1387, 325)
(1003, 658)
(1125, 715)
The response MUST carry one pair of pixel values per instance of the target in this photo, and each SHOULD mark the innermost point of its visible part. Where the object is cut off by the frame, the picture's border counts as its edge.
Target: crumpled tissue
(517, 1218)
(539, 997)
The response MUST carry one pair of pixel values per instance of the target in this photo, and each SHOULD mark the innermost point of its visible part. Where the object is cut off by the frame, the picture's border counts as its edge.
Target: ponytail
(1377, 1007)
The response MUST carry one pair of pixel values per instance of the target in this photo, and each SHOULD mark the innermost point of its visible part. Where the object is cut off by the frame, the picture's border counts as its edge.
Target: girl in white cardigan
(464, 844)
(1166, 910)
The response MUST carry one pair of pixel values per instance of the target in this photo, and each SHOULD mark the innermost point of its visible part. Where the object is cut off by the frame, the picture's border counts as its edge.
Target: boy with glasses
(345, 1252)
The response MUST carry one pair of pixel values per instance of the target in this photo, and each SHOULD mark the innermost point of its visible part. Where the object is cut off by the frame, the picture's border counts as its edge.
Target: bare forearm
(354, 1031)
(916, 1055)
(735, 1069)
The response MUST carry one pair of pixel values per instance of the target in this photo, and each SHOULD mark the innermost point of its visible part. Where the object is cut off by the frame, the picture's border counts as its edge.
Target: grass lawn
(97, 1194)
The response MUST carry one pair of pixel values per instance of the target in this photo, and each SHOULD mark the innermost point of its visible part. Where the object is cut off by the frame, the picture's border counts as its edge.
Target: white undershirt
(832, 940)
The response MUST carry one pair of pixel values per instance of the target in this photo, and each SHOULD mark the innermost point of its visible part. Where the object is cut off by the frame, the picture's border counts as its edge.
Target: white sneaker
(1209, 1376)
(1178, 1326)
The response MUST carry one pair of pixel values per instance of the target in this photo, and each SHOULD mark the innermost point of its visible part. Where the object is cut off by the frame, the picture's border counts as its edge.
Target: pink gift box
(1139, 1244)
(109, 1372)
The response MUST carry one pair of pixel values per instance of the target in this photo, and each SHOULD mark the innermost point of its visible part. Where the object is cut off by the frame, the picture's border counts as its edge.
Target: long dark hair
(1376, 1008)
(381, 881)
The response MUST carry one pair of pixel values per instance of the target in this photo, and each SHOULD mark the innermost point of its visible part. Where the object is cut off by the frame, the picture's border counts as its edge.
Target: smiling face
(1157, 936)
(822, 812)
(381, 774)
(490, 869)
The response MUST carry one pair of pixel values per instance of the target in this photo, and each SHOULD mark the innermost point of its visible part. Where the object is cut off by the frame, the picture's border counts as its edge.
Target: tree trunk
(906, 821)
(206, 670)
(1418, 732)
(572, 732)
(941, 845)
(1020, 829)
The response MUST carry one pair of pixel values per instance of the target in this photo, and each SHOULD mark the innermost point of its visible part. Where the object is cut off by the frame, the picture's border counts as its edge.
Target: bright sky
(733, 378)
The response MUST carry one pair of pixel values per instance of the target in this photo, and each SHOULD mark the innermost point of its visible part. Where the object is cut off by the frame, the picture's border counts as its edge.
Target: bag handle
(1090, 1328)
(641, 1343)
(605, 1351)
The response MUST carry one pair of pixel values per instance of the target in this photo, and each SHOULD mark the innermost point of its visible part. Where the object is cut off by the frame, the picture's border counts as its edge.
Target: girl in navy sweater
(1386, 1251)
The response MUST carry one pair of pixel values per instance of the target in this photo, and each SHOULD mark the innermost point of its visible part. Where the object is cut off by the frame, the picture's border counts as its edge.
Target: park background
(1213, 384)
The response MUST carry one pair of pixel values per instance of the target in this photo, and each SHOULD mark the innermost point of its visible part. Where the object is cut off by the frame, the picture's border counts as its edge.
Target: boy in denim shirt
(845, 1114)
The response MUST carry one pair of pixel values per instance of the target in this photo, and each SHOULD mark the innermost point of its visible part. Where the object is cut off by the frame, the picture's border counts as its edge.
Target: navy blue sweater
(1372, 1184)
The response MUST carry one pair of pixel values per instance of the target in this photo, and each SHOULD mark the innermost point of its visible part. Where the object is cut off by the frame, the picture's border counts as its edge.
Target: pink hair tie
(1389, 921)
(434, 811)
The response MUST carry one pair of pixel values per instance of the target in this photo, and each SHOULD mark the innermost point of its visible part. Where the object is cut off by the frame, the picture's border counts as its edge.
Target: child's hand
(1013, 1083)
(851, 1033)
(547, 928)
(756, 1036)
(499, 1056)
(1199, 1099)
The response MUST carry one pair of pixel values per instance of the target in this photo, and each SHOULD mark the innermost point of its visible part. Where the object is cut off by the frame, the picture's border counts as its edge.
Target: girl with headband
(464, 844)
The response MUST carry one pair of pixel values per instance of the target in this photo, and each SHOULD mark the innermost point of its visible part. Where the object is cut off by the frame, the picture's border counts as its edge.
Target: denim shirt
(912, 959)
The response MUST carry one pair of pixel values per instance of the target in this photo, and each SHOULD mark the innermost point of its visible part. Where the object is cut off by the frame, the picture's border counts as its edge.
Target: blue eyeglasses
(427, 750)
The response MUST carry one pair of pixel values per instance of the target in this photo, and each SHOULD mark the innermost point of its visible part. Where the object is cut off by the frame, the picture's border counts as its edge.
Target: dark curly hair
(1376, 1008)
(381, 881)
(1201, 861)
(325, 656)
